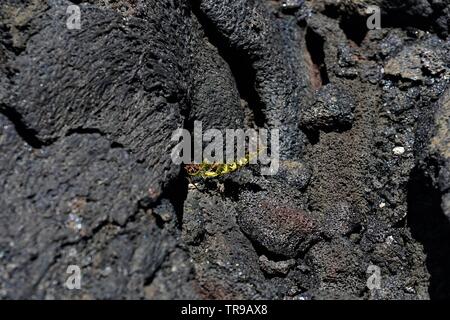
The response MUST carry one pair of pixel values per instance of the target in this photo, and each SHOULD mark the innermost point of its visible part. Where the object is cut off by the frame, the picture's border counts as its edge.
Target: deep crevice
(312, 136)
(355, 28)
(240, 66)
(262, 251)
(176, 192)
(233, 189)
(431, 228)
(315, 46)
(117, 145)
(81, 130)
(352, 24)
(27, 134)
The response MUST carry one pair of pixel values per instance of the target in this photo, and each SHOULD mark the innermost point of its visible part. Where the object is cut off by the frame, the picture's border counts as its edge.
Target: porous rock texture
(86, 177)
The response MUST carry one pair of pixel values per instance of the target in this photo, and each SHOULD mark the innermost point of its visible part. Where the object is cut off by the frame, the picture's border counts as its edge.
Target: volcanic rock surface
(86, 177)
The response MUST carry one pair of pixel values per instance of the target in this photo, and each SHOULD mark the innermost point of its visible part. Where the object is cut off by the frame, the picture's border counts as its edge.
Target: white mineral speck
(410, 290)
(390, 240)
(191, 186)
(398, 151)
(75, 222)
(107, 271)
(73, 252)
